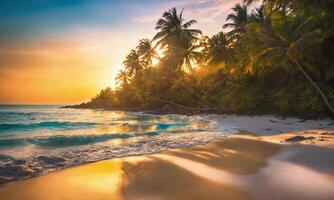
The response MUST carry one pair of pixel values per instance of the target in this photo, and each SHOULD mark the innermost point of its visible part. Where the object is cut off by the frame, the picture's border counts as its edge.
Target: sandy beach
(285, 163)
(166, 100)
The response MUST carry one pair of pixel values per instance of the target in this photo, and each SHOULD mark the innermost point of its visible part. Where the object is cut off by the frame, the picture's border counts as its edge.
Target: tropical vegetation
(276, 58)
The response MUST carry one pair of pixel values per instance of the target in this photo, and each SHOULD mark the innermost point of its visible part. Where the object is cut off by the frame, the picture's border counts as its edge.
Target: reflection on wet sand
(237, 168)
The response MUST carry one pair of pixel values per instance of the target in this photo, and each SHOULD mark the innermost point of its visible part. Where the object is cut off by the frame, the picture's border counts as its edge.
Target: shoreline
(267, 128)
(226, 168)
(167, 109)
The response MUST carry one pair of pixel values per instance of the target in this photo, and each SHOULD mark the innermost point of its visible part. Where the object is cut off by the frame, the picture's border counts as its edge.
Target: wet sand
(240, 167)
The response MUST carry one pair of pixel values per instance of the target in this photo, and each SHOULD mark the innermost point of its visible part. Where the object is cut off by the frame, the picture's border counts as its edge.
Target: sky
(66, 51)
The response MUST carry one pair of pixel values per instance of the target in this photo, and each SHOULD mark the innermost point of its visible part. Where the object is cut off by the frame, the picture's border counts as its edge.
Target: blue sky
(40, 18)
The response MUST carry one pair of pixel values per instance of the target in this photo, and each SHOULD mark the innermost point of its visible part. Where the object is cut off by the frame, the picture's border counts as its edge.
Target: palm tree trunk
(316, 87)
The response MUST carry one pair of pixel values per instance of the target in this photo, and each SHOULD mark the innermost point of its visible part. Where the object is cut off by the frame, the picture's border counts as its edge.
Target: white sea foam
(39, 144)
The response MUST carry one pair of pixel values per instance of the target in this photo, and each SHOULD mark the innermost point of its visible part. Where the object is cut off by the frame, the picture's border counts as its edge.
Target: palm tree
(274, 4)
(258, 15)
(133, 64)
(180, 40)
(172, 29)
(122, 77)
(183, 57)
(217, 50)
(238, 19)
(146, 51)
(286, 46)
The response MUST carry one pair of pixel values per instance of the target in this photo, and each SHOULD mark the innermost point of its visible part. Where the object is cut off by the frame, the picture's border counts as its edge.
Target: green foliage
(244, 99)
(298, 100)
(103, 98)
(277, 58)
(282, 101)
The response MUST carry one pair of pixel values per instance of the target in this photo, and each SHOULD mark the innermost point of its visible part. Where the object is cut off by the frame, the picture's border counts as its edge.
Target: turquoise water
(44, 138)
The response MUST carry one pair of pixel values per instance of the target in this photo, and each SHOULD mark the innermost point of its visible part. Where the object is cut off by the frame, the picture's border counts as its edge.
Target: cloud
(213, 10)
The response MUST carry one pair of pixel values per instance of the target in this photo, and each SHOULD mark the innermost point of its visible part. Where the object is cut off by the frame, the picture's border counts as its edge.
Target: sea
(35, 139)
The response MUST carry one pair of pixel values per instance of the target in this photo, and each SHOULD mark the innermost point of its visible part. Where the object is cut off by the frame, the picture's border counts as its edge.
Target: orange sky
(65, 52)
(69, 69)
(55, 73)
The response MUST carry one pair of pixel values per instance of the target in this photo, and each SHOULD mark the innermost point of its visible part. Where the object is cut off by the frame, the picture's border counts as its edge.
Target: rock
(298, 138)
(51, 160)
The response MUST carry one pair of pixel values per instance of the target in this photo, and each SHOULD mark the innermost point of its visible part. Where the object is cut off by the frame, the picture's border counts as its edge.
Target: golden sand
(227, 169)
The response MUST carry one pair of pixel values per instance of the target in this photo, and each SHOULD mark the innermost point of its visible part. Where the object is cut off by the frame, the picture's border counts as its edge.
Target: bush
(282, 101)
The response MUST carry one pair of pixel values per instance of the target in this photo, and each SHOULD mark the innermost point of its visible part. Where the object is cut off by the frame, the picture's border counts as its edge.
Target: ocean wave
(67, 141)
(47, 124)
(5, 157)
(49, 160)
(167, 126)
(13, 142)
(59, 141)
(76, 140)
(21, 113)
(5, 116)
(70, 137)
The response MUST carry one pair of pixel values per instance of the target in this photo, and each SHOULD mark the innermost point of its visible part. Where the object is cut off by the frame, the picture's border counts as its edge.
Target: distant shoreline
(169, 109)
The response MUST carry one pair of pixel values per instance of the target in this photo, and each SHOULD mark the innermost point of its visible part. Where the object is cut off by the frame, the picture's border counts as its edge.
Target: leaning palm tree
(146, 51)
(237, 19)
(217, 50)
(172, 28)
(286, 46)
(122, 77)
(133, 64)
